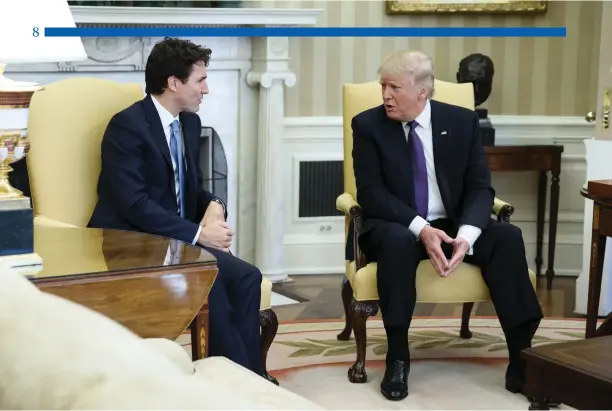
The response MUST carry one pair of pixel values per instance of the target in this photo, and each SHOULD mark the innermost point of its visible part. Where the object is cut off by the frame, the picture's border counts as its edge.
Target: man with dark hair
(151, 182)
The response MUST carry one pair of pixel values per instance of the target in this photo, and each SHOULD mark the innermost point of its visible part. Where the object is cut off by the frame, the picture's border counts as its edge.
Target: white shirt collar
(423, 119)
(164, 115)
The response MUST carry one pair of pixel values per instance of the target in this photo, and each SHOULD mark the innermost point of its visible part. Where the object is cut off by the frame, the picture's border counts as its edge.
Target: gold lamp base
(7, 191)
(14, 144)
(16, 214)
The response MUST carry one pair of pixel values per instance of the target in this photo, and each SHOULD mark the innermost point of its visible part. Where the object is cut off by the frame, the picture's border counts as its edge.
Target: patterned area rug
(447, 372)
(309, 343)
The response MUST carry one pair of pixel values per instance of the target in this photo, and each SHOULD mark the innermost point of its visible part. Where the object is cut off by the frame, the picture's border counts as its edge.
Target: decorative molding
(529, 216)
(201, 17)
(270, 63)
(266, 79)
(313, 239)
(481, 7)
(117, 54)
(552, 130)
(129, 54)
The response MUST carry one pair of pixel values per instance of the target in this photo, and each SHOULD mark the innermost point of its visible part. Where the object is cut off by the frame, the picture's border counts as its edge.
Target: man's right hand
(432, 239)
(216, 235)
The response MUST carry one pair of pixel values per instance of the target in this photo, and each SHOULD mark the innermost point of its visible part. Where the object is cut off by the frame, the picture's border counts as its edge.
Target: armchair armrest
(349, 206)
(502, 210)
(345, 202)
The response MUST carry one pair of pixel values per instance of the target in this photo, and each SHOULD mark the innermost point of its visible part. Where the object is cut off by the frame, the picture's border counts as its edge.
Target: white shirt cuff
(470, 234)
(195, 240)
(417, 225)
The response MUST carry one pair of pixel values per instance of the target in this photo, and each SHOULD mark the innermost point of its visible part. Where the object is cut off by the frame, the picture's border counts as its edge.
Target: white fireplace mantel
(194, 16)
(247, 81)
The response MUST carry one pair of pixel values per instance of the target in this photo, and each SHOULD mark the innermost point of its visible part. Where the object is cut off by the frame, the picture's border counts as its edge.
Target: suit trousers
(499, 252)
(234, 302)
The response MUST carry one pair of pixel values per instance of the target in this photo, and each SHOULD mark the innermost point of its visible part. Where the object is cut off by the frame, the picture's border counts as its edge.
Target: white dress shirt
(167, 119)
(435, 208)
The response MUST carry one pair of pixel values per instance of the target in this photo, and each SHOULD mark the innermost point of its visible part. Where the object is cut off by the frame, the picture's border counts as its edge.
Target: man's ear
(173, 83)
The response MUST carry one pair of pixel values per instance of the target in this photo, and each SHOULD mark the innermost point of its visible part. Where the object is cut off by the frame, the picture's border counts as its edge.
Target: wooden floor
(319, 297)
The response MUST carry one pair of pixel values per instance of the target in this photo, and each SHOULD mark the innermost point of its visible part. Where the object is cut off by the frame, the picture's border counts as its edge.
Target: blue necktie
(177, 154)
(419, 171)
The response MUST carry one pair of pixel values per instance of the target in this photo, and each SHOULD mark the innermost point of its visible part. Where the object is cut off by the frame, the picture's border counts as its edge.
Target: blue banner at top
(305, 32)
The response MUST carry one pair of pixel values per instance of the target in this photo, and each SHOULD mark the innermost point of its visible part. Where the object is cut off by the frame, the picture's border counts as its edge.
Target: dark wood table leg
(538, 403)
(598, 251)
(605, 329)
(540, 221)
(552, 233)
(199, 334)
(535, 376)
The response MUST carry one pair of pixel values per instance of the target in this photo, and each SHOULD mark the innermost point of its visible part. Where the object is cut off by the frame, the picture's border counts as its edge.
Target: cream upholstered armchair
(359, 293)
(66, 123)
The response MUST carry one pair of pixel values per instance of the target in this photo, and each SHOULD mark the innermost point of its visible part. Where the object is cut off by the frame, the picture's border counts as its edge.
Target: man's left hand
(460, 248)
(214, 213)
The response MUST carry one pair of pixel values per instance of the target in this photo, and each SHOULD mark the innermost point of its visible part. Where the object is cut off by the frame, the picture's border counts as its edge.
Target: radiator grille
(321, 182)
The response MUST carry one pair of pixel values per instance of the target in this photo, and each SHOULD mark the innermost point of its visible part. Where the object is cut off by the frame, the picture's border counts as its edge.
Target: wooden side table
(600, 191)
(545, 159)
(575, 373)
(128, 277)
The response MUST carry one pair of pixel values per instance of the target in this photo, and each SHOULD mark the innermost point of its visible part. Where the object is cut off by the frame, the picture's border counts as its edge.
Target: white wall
(316, 245)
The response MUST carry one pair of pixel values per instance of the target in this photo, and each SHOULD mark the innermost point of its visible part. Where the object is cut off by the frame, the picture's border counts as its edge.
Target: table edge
(127, 273)
(542, 360)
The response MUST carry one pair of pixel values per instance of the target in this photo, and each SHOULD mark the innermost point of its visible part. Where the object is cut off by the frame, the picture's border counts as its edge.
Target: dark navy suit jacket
(136, 185)
(383, 172)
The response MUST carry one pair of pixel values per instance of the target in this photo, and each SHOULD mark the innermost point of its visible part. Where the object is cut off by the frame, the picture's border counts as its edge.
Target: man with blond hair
(425, 190)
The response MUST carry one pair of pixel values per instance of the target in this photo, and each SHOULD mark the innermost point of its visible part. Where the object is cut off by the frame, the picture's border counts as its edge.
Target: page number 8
(35, 32)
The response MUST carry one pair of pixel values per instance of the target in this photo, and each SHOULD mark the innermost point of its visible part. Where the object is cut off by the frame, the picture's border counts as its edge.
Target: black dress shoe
(394, 385)
(270, 378)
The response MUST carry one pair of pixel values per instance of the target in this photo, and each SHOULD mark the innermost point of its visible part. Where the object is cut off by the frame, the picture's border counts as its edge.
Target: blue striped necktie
(177, 154)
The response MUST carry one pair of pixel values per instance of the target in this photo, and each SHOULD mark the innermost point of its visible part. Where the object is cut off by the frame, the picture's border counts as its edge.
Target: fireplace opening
(213, 163)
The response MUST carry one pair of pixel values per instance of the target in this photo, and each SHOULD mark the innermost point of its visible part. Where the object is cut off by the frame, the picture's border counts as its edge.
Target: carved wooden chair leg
(465, 321)
(347, 296)
(360, 311)
(269, 326)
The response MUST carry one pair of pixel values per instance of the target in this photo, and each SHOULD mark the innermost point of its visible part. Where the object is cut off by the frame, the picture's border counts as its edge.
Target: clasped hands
(432, 239)
(215, 232)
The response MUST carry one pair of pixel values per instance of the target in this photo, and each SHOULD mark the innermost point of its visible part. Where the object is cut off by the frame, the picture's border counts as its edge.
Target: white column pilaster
(271, 74)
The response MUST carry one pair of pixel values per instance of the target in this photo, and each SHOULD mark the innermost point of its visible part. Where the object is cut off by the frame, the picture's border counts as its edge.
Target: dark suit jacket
(136, 185)
(383, 172)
